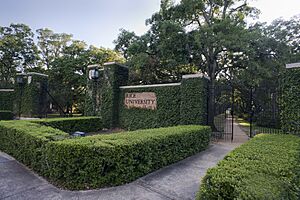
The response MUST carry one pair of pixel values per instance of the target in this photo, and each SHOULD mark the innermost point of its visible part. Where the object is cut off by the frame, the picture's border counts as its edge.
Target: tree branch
(225, 9)
(237, 8)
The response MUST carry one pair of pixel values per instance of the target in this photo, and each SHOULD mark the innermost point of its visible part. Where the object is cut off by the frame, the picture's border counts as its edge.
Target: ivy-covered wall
(176, 103)
(31, 96)
(167, 113)
(180, 103)
(194, 107)
(290, 103)
(7, 97)
(103, 93)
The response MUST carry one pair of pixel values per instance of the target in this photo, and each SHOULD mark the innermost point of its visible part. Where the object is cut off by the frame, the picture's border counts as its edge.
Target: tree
(158, 56)
(68, 73)
(274, 46)
(51, 45)
(17, 51)
(220, 35)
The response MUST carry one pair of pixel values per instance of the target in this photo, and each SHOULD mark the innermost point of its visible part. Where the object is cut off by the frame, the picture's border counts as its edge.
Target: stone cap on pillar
(292, 65)
(198, 75)
(115, 63)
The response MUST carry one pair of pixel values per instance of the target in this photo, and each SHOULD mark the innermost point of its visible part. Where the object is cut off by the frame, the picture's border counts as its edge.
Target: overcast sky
(97, 22)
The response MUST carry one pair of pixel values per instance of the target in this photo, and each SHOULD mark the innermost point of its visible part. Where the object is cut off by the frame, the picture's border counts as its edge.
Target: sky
(97, 22)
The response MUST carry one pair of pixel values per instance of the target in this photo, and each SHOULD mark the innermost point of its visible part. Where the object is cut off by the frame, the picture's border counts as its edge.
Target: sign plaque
(144, 100)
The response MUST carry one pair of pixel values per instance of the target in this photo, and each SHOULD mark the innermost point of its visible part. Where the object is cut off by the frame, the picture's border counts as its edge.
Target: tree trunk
(211, 102)
(212, 65)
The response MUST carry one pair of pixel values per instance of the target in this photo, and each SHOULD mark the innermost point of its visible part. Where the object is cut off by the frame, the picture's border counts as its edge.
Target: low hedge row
(26, 141)
(108, 160)
(6, 115)
(70, 125)
(100, 160)
(267, 167)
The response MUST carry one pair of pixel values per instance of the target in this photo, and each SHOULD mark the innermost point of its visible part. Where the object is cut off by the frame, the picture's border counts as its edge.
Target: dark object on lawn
(78, 134)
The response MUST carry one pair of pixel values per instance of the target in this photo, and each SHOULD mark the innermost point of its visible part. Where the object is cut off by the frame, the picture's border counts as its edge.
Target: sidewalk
(178, 181)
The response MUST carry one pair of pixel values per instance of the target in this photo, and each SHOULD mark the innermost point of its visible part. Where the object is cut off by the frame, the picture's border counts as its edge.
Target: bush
(6, 115)
(108, 160)
(25, 141)
(266, 167)
(70, 125)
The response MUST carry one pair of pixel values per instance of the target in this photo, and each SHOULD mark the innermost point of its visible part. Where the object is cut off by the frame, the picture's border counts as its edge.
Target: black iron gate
(223, 113)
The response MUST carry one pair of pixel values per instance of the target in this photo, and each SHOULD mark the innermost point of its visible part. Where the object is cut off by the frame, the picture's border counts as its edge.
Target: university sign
(144, 100)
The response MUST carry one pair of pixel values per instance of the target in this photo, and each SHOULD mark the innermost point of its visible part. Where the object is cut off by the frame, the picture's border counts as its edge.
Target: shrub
(70, 125)
(108, 160)
(6, 115)
(267, 167)
(25, 141)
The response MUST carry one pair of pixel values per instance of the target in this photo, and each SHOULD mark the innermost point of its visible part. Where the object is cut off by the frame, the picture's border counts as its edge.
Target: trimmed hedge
(266, 167)
(26, 141)
(100, 160)
(108, 160)
(6, 115)
(70, 125)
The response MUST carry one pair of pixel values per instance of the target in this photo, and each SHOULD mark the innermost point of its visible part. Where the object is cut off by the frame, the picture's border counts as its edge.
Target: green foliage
(193, 108)
(167, 113)
(7, 100)
(69, 72)
(32, 96)
(18, 51)
(70, 125)
(266, 167)
(178, 104)
(160, 55)
(103, 95)
(108, 160)
(51, 45)
(290, 104)
(99, 160)
(25, 141)
(6, 115)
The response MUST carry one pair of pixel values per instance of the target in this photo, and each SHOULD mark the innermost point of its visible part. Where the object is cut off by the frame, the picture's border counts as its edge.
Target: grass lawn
(245, 126)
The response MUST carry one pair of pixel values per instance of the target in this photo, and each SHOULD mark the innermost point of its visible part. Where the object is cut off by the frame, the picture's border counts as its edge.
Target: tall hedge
(290, 104)
(266, 167)
(167, 113)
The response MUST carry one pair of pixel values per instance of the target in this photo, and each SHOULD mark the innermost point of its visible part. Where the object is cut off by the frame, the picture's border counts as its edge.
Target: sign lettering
(144, 100)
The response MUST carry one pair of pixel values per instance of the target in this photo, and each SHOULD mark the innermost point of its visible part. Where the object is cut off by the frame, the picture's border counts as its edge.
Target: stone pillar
(103, 93)
(194, 99)
(289, 101)
(31, 94)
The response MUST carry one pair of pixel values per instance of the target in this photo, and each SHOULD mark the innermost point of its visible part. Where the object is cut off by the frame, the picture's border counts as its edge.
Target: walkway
(178, 181)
